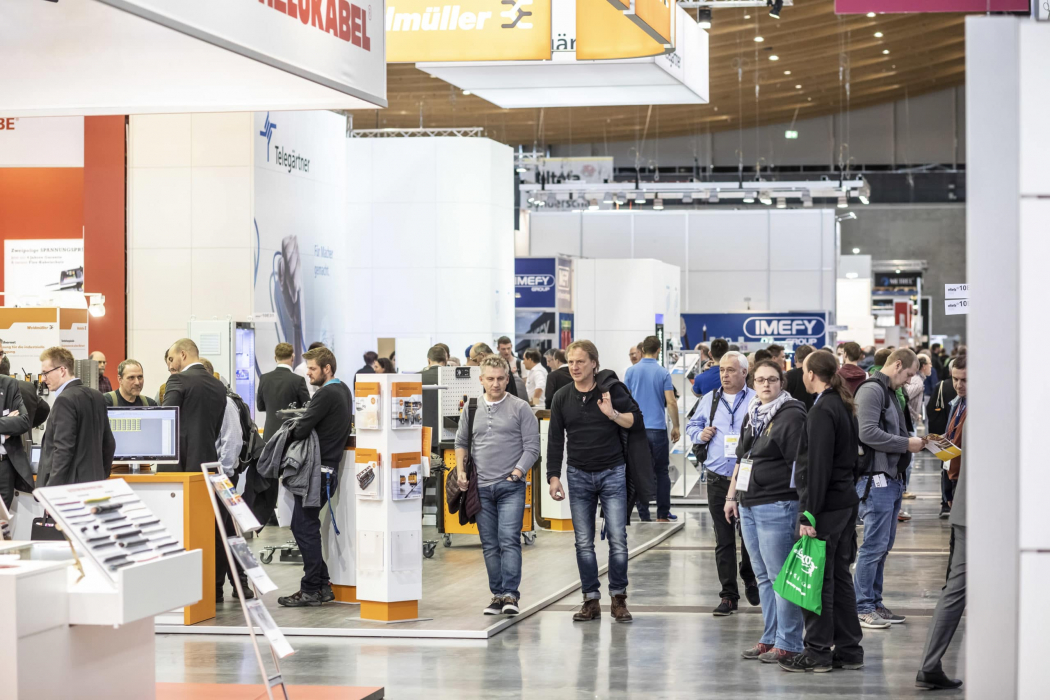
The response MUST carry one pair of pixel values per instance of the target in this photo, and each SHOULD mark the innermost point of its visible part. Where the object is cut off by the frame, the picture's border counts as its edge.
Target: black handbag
(46, 528)
(700, 448)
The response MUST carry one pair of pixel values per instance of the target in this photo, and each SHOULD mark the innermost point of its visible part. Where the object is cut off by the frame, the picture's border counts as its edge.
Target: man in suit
(15, 471)
(201, 399)
(280, 389)
(78, 444)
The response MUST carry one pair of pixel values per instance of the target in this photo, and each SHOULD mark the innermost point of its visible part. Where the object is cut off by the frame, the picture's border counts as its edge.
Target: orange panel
(561, 525)
(41, 203)
(388, 612)
(198, 520)
(345, 594)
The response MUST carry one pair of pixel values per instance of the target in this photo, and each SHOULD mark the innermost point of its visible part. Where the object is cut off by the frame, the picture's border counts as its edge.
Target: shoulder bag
(700, 448)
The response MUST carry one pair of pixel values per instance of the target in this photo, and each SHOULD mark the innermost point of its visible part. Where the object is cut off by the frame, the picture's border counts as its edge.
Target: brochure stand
(254, 611)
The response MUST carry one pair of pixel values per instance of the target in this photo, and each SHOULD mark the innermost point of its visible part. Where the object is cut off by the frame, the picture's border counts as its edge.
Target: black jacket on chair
(201, 399)
(78, 444)
(278, 389)
(14, 427)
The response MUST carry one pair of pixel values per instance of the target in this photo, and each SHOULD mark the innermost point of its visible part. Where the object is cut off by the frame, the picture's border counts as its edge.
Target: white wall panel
(404, 170)
(1035, 572)
(359, 240)
(736, 240)
(661, 236)
(151, 304)
(220, 282)
(552, 234)
(1034, 108)
(606, 235)
(359, 170)
(406, 234)
(160, 141)
(724, 292)
(458, 242)
(159, 207)
(585, 297)
(404, 300)
(795, 240)
(794, 291)
(221, 139)
(467, 299)
(221, 208)
(463, 170)
(623, 290)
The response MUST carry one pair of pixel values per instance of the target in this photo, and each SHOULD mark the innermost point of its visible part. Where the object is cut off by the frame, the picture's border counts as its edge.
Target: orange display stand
(197, 525)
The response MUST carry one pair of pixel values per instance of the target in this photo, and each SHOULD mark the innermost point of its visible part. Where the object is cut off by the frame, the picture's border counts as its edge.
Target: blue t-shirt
(648, 381)
(707, 381)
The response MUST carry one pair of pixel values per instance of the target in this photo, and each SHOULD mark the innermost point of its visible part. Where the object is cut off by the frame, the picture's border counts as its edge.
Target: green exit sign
(789, 134)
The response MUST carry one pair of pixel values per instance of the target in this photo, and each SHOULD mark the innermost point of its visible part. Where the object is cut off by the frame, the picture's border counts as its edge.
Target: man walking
(329, 415)
(888, 447)
(505, 443)
(950, 607)
(558, 376)
(130, 380)
(650, 384)
(591, 420)
(280, 389)
(728, 406)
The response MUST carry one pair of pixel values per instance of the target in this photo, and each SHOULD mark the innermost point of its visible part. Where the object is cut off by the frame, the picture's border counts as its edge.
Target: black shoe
(327, 595)
(219, 597)
(936, 681)
(726, 607)
(751, 593)
(510, 605)
(248, 592)
(300, 599)
(847, 664)
(945, 512)
(800, 663)
(495, 606)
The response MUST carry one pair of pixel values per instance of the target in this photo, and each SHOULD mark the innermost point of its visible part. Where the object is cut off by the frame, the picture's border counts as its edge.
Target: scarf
(761, 413)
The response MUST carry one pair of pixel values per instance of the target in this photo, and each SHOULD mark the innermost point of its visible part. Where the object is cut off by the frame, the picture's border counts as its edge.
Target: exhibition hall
(521, 348)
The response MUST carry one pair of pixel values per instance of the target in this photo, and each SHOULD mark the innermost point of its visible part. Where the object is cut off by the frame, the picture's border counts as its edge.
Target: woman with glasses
(762, 494)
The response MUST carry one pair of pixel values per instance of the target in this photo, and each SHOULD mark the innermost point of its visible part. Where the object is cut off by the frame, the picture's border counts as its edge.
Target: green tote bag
(801, 579)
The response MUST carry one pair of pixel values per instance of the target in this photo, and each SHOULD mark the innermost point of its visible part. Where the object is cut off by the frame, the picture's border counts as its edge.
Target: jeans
(770, 531)
(879, 514)
(725, 540)
(660, 450)
(306, 528)
(588, 489)
(499, 524)
(837, 626)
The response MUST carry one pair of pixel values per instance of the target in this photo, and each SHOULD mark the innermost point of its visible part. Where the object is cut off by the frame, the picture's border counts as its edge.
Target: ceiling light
(712, 197)
(759, 39)
(787, 72)
(885, 52)
(97, 305)
(658, 204)
(466, 92)
(521, 169)
(897, 271)
(747, 16)
(856, 251)
(703, 17)
(878, 35)
(592, 204)
(798, 87)
(775, 6)
(781, 203)
(608, 198)
(765, 197)
(842, 202)
(774, 57)
(852, 275)
(871, 14)
(749, 198)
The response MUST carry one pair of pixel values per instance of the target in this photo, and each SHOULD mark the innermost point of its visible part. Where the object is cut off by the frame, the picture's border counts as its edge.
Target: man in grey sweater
(505, 443)
(883, 434)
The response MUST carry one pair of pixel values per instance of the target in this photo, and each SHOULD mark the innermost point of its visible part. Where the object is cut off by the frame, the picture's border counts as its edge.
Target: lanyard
(732, 411)
(332, 381)
(956, 419)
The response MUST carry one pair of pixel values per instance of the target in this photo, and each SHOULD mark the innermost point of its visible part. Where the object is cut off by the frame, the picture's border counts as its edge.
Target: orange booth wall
(66, 202)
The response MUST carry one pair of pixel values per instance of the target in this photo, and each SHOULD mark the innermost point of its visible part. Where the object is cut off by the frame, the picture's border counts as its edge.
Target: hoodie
(773, 454)
(853, 375)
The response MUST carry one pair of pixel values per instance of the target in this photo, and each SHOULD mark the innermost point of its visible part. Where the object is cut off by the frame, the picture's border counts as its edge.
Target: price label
(955, 307)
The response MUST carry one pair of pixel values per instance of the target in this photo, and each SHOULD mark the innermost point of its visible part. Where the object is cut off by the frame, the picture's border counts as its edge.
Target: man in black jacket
(201, 399)
(280, 389)
(15, 470)
(78, 444)
(559, 375)
(793, 377)
(329, 416)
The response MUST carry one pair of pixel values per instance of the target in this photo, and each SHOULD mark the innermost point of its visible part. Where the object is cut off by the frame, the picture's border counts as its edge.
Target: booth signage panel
(44, 272)
(853, 7)
(604, 32)
(535, 283)
(564, 284)
(468, 30)
(337, 43)
(759, 327)
(655, 15)
(46, 142)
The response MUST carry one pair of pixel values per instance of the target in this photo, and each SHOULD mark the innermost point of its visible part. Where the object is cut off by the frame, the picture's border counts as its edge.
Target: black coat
(556, 380)
(772, 452)
(797, 388)
(278, 389)
(827, 458)
(78, 444)
(641, 478)
(201, 399)
(14, 427)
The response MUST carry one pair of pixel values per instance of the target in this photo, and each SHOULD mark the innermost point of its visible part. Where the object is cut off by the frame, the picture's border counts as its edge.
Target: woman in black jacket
(824, 474)
(768, 508)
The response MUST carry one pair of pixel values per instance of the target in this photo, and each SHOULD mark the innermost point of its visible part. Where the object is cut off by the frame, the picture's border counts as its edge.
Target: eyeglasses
(767, 380)
(44, 374)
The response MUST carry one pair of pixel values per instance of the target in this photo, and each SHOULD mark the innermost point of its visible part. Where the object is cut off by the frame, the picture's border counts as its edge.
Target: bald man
(201, 399)
(104, 384)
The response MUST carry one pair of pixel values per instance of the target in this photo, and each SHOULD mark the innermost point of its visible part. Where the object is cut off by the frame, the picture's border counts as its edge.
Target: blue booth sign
(790, 329)
(543, 283)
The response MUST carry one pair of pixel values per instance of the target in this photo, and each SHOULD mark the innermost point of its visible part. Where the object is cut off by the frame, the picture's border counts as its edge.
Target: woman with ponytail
(824, 477)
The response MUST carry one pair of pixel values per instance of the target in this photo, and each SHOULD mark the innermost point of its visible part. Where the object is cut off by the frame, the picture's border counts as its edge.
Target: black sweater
(797, 388)
(773, 453)
(329, 414)
(827, 455)
(594, 439)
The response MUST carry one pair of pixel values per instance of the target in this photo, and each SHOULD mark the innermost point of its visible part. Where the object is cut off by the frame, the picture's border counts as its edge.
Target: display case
(687, 479)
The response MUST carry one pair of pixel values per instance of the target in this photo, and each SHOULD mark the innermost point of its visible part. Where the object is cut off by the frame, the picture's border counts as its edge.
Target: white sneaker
(873, 621)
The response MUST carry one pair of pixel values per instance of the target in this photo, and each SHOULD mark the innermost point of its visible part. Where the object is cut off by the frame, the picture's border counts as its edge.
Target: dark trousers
(947, 489)
(7, 481)
(725, 540)
(949, 610)
(837, 625)
(222, 565)
(660, 450)
(306, 528)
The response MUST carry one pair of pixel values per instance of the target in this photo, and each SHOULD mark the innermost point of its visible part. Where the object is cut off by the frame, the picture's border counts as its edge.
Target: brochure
(367, 464)
(240, 511)
(406, 473)
(261, 617)
(943, 448)
(406, 405)
(367, 405)
(250, 565)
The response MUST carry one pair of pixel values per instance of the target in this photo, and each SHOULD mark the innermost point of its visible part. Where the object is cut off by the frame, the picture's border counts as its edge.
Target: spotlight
(864, 193)
(759, 39)
(658, 204)
(897, 271)
(856, 251)
(97, 305)
(608, 198)
(807, 199)
(878, 35)
(621, 198)
(466, 92)
(775, 6)
(749, 198)
(592, 205)
(774, 57)
(871, 15)
(765, 197)
(521, 169)
(703, 17)
(842, 202)
(712, 197)
(640, 198)
(781, 203)
(687, 198)
(852, 275)
(885, 52)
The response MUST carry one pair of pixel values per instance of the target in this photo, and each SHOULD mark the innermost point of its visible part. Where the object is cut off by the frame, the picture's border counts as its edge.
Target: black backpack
(866, 461)
(252, 445)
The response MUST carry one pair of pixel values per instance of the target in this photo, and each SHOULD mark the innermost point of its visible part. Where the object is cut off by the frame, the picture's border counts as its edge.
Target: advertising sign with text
(856, 7)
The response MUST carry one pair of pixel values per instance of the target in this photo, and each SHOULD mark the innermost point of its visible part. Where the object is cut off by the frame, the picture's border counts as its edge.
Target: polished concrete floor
(674, 648)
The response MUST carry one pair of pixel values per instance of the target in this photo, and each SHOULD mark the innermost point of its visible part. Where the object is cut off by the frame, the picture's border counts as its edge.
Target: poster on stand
(406, 405)
(367, 467)
(264, 621)
(232, 500)
(44, 272)
(367, 406)
(250, 565)
(406, 474)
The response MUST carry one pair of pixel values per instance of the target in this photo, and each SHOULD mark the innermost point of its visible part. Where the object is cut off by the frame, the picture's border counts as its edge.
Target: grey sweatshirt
(888, 437)
(506, 435)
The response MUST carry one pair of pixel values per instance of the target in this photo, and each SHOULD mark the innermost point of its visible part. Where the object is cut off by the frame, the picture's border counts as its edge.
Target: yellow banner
(656, 16)
(468, 30)
(604, 32)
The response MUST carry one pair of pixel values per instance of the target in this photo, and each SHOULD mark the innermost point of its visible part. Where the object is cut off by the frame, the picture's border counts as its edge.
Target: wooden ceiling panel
(838, 62)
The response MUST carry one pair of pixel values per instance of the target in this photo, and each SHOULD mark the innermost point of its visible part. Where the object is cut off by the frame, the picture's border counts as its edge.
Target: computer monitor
(145, 433)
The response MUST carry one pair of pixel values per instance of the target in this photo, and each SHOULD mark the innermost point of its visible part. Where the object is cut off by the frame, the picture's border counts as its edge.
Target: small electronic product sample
(147, 434)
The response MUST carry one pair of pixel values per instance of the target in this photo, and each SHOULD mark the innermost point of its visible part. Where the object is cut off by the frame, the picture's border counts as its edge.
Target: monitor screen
(145, 433)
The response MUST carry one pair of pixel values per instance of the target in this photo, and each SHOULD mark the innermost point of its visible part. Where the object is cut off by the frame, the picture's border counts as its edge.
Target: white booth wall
(782, 259)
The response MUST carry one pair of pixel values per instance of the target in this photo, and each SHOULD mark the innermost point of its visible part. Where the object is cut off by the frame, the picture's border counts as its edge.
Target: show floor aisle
(673, 649)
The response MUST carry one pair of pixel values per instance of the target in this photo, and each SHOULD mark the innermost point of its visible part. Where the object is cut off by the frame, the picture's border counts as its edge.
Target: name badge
(729, 445)
(879, 481)
(743, 475)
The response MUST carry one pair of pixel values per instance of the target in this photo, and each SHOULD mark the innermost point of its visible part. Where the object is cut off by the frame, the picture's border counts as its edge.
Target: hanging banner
(856, 7)
(603, 32)
(468, 30)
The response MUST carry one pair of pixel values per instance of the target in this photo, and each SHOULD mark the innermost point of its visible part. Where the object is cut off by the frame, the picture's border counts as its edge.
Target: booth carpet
(455, 589)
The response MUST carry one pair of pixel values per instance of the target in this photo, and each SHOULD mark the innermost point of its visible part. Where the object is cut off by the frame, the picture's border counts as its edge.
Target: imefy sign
(777, 326)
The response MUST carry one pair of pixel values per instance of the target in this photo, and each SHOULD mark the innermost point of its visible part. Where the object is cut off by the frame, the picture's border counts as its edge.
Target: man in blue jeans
(505, 443)
(591, 420)
(650, 384)
(886, 442)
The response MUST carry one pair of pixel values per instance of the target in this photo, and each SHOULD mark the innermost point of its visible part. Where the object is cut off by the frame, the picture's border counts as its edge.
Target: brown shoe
(591, 610)
(620, 612)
